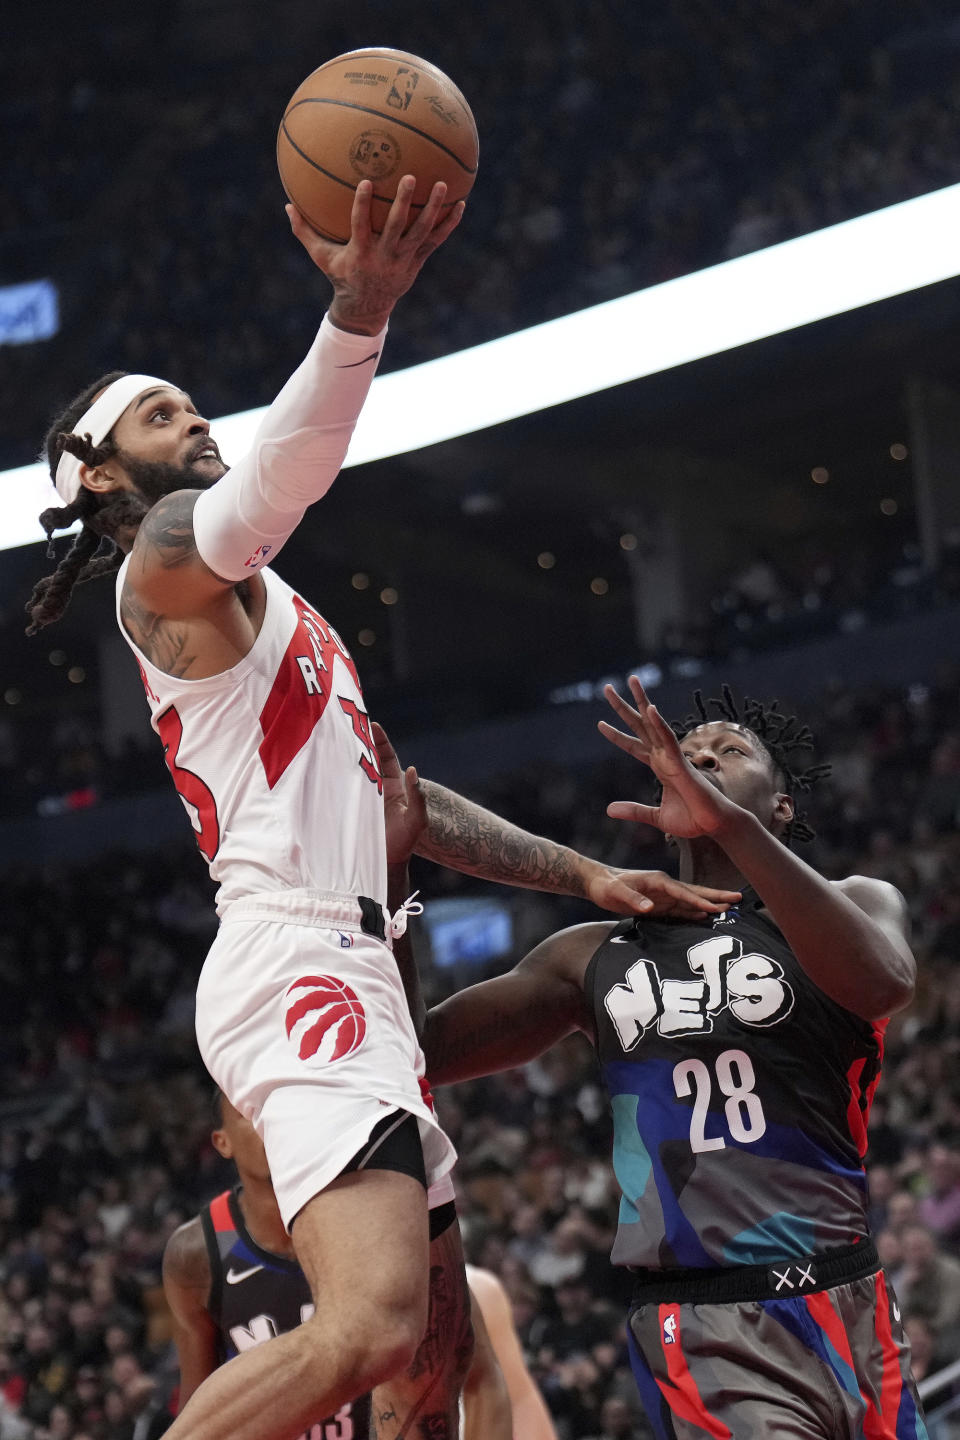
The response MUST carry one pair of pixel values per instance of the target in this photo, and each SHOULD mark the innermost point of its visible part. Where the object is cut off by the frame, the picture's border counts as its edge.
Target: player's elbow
(894, 989)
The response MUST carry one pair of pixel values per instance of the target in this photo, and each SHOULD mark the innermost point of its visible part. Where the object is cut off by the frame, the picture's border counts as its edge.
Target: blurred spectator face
(889, 1248)
(138, 1393)
(114, 1407)
(565, 1239)
(901, 1210)
(573, 1300)
(18, 1287)
(124, 1369)
(86, 1386)
(526, 1221)
(102, 1291)
(38, 1341)
(82, 1316)
(616, 1419)
(943, 1169)
(605, 1356)
(118, 1340)
(882, 1183)
(919, 1247)
(60, 1423)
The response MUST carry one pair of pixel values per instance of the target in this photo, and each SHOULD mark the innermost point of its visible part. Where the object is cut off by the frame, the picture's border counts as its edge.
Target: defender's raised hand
(372, 271)
(691, 804)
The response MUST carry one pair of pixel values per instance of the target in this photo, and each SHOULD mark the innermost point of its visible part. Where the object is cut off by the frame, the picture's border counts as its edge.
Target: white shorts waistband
(324, 908)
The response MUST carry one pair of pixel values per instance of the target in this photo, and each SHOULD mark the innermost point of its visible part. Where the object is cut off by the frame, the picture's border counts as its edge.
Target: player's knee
(378, 1337)
(392, 1342)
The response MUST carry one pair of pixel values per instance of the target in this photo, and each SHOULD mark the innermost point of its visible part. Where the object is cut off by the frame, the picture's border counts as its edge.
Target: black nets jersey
(255, 1295)
(740, 1093)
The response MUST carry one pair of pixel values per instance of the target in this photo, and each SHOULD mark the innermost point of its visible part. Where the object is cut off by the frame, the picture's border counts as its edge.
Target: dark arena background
(782, 516)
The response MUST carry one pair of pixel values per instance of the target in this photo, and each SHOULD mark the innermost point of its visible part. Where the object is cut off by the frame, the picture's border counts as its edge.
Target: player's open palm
(404, 808)
(690, 805)
(372, 271)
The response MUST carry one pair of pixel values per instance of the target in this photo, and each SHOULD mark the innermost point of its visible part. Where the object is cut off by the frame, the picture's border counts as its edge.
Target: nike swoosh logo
(619, 940)
(235, 1276)
(355, 364)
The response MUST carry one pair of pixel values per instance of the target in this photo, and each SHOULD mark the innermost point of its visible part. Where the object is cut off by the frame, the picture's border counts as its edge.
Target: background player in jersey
(232, 1281)
(301, 1015)
(741, 1055)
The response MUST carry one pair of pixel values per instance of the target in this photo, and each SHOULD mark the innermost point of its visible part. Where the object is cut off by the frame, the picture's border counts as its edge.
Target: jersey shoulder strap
(218, 1229)
(626, 929)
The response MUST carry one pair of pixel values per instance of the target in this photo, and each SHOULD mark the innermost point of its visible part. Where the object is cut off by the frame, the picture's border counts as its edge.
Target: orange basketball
(374, 115)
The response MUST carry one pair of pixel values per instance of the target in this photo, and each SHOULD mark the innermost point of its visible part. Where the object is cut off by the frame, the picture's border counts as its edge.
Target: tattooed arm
(187, 621)
(466, 837)
(505, 1022)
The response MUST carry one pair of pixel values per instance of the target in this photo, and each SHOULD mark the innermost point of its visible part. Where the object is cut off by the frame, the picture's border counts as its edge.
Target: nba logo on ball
(324, 1019)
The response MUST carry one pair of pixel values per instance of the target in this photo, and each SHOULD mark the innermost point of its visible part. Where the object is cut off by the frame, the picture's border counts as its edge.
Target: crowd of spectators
(620, 146)
(105, 1116)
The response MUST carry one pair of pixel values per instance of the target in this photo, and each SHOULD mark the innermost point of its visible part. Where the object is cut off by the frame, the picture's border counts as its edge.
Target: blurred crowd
(619, 147)
(106, 1109)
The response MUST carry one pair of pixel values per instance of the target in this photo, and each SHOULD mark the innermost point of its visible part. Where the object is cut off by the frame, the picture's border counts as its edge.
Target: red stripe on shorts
(681, 1393)
(220, 1213)
(882, 1425)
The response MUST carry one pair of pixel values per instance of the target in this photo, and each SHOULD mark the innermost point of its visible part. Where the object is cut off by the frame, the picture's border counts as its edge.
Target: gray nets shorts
(806, 1360)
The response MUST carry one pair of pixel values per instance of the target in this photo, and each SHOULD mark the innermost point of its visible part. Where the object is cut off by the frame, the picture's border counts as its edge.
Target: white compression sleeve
(300, 445)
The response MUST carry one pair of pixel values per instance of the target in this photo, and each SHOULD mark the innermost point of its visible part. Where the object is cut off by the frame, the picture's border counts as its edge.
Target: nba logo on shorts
(670, 1329)
(324, 1019)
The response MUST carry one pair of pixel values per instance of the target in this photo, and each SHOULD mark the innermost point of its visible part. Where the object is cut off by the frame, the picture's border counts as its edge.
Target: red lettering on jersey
(190, 787)
(370, 762)
(146, 684)
(301, 690)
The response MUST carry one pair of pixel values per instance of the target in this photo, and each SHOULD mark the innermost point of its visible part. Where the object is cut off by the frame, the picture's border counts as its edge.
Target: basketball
(374, 115)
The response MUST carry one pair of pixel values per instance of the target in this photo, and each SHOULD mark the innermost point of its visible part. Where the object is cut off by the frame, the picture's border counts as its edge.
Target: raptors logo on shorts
(324, 1018)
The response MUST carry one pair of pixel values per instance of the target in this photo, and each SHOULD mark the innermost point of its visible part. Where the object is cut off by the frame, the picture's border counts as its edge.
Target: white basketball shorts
(303, 1023)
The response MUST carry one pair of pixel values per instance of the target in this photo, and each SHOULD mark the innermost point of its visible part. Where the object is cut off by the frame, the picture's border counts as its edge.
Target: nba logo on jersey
(670, 1329)
(345, 940)
(324, 1019)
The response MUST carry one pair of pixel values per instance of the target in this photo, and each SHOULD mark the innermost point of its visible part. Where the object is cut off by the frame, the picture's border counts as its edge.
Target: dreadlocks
(780, 735)
(101, 516)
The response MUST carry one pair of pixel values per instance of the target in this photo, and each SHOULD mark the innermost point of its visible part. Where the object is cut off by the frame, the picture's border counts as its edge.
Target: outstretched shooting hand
(371, 272)
(691, 805)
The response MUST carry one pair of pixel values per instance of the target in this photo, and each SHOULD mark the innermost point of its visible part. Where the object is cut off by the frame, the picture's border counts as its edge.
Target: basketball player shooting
(301, 1016)
(741, 1053)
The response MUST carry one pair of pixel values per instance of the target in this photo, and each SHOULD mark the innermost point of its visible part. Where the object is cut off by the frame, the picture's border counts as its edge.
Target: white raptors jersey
(274, 759)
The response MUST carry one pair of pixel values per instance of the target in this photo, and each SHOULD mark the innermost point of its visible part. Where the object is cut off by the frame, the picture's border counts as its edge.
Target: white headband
(97, 422)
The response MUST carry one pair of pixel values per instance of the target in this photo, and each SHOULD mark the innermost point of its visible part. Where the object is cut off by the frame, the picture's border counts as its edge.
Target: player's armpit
(505, 1022)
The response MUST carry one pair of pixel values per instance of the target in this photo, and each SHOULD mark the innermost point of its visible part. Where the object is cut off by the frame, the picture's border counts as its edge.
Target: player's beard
(155, 478)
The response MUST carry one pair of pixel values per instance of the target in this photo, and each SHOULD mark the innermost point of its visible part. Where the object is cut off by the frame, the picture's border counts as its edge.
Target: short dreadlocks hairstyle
(782, 736)
(93, 552)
